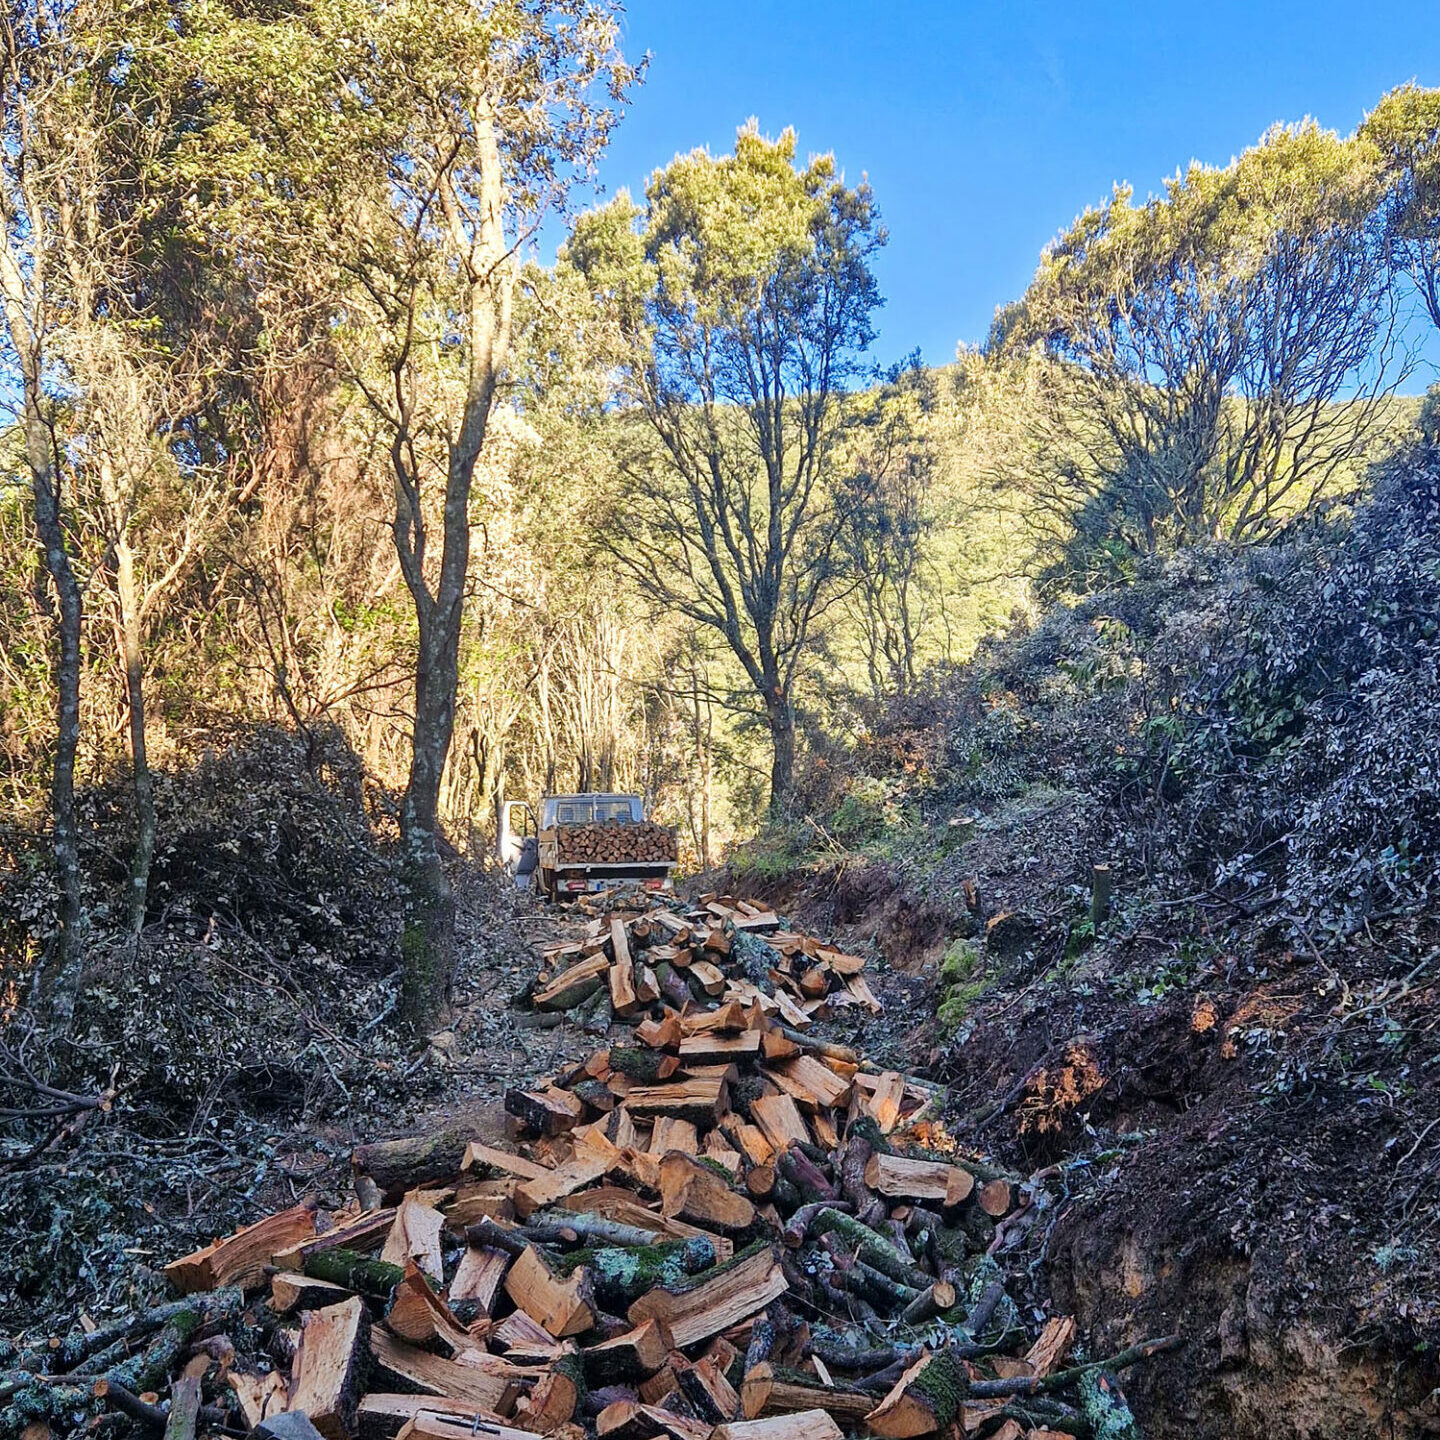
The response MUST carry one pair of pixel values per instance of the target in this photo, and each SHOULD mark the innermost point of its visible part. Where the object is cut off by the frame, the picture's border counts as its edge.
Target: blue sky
(984, 128)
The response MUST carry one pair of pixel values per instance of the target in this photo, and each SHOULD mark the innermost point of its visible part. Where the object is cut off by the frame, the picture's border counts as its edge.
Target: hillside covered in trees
(1089, 680)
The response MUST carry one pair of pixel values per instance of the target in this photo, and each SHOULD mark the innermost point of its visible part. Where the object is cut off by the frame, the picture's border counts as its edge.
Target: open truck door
(516, 844)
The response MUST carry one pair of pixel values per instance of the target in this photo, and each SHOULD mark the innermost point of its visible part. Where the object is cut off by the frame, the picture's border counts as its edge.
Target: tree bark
(780, 717)
(429, 937)
(56, 981)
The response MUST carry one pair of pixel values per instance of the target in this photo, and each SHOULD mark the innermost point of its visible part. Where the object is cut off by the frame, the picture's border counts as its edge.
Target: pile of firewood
(718, 1230)
(723, 951)
(616, 843)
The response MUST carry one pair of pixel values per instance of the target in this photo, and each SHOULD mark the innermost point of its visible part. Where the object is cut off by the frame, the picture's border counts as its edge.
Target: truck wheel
(547, 883)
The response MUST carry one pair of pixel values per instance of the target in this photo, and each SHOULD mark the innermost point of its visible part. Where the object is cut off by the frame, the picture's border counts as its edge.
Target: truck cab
(585, 842)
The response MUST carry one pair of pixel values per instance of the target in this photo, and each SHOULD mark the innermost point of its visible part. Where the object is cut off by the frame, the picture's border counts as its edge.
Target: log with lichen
(621, 1275)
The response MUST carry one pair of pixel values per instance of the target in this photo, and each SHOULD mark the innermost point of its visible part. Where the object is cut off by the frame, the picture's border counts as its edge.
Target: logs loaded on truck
(578, 844)
(716, 1227)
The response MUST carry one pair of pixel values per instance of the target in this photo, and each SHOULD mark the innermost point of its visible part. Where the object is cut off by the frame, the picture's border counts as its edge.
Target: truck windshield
(586, 809)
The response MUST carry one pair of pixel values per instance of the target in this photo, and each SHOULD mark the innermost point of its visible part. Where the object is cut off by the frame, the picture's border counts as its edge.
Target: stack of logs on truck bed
(723, 951)
(716, 1232)
(613, 843)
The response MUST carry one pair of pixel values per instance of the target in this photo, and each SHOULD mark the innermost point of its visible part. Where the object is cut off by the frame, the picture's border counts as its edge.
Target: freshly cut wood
(625, 1420)
(860, 991)
(487, 1157)
(761, 1393)
(1054, 1340)
(673, 1134)
(598, 842)
(900, 1177)
(555, 1396)
(362, 1232)
(574, 986)
(688, 1188)
(841, 964)
(329, 1367)
(812, 1083)
(803, 1425)
(678, 928)
(259, 1396)
(442, 1424)
(780, 1120)
(775, 1045)
(628, 1357)
(710, 977)
(713, 1048)
(241, 1258)
(719, 1151)
(415, 1235)
(714, 1303)
(382, 1416)
(417, 1314)
(660, 1034)
(554, 1185)
(290, 1292)
(699, 1101)
(550, 1111)
(623, 999)
(727, 1018)
(624, 1207)
(398, 1166)
(883, 1102)
(526, 1341)
(926, 1398)
(930, 1302)
(355, 1271)
(394, 1365)
(704, 1385)
(478, 1276)
(750, 1139)
(995, 1198)
(715, 941)
(563, 1307)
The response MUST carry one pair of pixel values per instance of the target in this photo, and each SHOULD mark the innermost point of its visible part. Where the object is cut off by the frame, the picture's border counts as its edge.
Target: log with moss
(356, 1271)
(926, 1398)
(866, 1245)
(621, 1275)
(400, 1165)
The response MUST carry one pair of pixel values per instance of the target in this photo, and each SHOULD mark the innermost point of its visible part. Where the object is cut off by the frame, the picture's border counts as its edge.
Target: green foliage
(962, 982)
(1213, 360)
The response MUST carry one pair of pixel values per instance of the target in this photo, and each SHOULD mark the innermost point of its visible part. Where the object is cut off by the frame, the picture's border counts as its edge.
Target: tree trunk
(429, 939)
(57, 979)
(780, 717)
(132, 661)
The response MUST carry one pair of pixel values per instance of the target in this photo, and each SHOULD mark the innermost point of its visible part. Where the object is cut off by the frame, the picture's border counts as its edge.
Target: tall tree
(37, 55)
(742, 302)
(432, 140)
(1226, 348)
(1405, 129)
